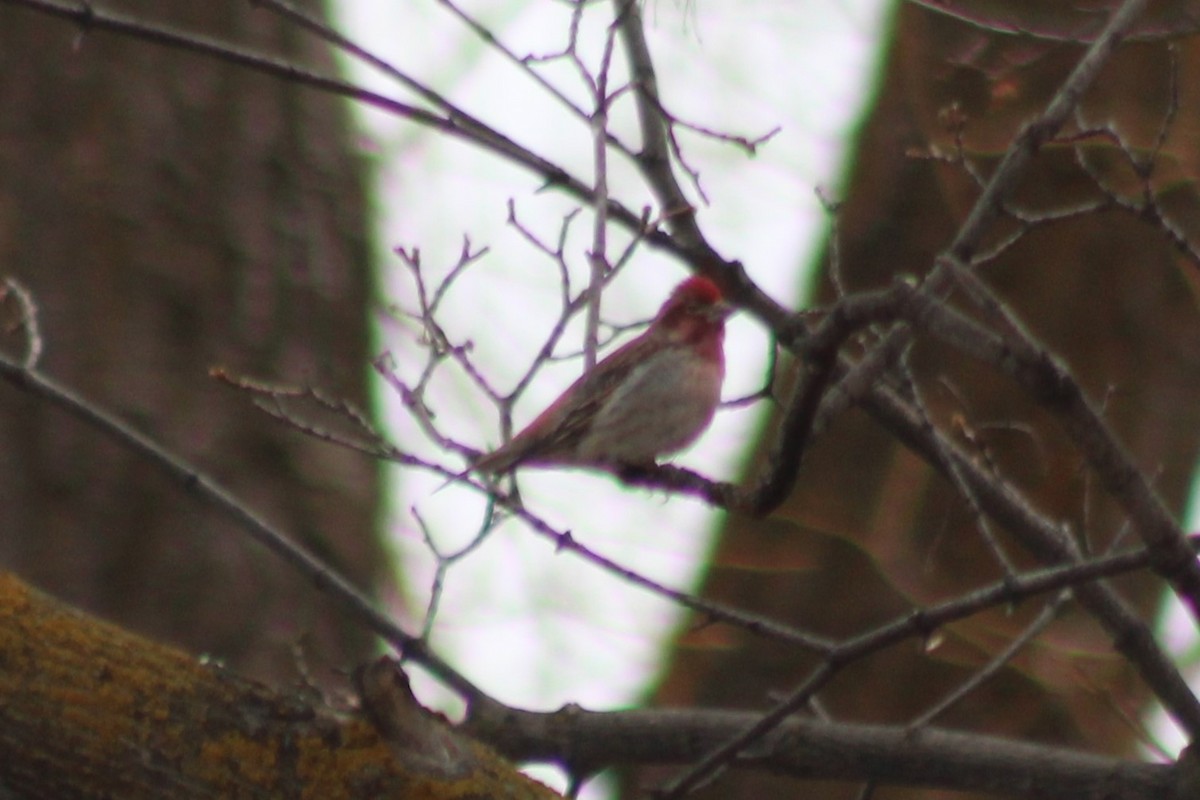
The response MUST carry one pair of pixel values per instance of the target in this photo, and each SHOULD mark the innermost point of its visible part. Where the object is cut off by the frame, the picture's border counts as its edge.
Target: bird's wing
(554, 435)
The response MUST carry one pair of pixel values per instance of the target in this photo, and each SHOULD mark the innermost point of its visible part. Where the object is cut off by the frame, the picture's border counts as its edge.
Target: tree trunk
(871, 530)
(171, 214)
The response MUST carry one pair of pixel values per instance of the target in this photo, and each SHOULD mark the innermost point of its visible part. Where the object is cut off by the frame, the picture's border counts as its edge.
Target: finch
(651, 397)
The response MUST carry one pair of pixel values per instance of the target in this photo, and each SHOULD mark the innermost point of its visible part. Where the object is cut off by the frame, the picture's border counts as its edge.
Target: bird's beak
(720, 311)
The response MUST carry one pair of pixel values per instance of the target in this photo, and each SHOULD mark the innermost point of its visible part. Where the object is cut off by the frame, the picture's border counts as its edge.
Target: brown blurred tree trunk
(170, 214)
(870, 529)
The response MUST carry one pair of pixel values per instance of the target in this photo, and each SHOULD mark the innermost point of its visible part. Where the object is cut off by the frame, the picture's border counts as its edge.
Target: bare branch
(196, 483)
(817, 749)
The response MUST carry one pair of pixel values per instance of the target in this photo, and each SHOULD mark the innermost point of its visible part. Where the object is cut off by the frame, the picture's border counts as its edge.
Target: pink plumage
(651, 397)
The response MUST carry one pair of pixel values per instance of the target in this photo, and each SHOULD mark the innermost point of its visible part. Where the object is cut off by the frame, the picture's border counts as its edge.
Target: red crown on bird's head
(696, 297)
(697, 289)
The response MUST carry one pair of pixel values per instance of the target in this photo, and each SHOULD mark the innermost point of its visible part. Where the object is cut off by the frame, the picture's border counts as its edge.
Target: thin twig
(997, 663)
(198, 484)
(28, 308)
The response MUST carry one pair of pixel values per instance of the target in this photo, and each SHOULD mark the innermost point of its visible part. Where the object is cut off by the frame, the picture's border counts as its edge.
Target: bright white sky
(556, 630)
(535, 628)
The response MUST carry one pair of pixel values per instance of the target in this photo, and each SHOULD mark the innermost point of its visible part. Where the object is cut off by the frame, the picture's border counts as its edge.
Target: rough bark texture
(88, 710)
(870, 529)
(171, 214)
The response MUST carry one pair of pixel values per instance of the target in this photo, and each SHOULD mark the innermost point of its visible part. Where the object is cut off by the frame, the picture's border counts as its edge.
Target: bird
(652, 396)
